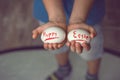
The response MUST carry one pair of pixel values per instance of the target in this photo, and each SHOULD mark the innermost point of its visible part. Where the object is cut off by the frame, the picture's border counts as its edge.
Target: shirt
(95, 16)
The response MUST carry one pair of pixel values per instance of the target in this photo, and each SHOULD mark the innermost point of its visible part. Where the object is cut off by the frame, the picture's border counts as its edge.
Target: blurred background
(17, 23)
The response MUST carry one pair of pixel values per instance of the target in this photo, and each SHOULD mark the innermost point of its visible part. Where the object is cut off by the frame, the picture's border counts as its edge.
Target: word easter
(80, 35)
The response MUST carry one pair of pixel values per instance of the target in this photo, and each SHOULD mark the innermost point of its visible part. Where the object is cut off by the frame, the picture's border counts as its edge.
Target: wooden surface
(111, 25)
(17, 23)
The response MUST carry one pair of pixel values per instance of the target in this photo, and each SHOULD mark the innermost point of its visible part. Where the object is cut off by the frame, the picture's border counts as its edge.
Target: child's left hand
(75, 46)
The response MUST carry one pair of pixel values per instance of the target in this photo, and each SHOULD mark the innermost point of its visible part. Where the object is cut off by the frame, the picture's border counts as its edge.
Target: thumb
(92, 32)
(40, 29)
(36, 32)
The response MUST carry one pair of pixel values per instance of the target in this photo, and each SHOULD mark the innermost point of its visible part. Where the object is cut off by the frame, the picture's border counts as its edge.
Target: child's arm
(77, 20)
(56, 17)
(80, 10)
(55, 10)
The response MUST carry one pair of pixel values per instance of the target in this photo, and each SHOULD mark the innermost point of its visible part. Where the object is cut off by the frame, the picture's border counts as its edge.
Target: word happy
(50, 36)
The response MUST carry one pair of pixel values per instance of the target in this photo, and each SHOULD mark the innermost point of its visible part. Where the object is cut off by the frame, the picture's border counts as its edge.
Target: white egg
(79, 35)
(53, 35)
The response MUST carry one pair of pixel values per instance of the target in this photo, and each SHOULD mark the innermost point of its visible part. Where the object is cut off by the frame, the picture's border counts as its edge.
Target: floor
(37, 64)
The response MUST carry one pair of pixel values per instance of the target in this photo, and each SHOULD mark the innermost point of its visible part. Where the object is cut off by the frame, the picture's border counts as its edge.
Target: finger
(35, 34)
(45, 45)
(55, 45)
(72, 47)
(60, 45)
(86, 46)
(68, 43)
(92, 31)
(78, 48)
(50, 46)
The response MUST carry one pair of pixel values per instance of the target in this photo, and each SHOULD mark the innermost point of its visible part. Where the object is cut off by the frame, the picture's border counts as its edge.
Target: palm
(41, 28)
(75, 46)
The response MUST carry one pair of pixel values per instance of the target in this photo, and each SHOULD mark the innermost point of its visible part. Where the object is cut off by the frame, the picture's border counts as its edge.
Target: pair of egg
(57, 35)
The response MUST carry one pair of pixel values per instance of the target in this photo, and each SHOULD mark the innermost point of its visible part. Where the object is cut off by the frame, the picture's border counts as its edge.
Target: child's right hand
(50, 46)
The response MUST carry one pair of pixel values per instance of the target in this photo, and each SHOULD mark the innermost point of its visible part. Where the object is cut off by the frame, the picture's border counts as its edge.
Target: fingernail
(88, 48)
(68, 44)
(78, 52)
(33, 37)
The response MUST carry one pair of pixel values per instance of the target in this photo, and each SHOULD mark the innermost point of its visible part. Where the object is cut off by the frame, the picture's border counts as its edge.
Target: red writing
(81, 36)
(51, 35)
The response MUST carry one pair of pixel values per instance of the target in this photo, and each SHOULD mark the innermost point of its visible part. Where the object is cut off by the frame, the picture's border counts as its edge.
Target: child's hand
(38, 31)
(75, 46)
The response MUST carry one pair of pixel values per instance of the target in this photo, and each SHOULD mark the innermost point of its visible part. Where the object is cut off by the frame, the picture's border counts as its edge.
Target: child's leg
(62, 58)
(94, 55)
(93, 66)
(64, 67)
(93, 69)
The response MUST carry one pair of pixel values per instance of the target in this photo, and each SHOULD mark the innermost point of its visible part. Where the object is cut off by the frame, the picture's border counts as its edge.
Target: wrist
(58, 20)
(76, 21)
